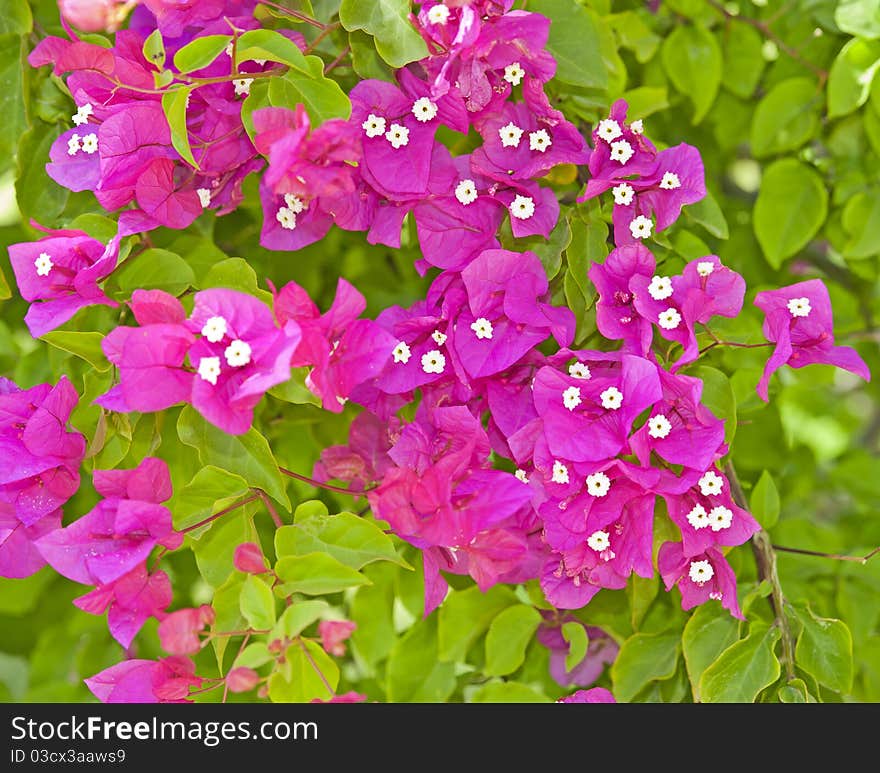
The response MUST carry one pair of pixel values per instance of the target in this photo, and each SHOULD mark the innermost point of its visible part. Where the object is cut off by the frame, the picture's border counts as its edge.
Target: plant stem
(318, 671)
(835, 556)
(765, 558)
(224, 511)
(344, 53)
(271, 508)
(318, 484)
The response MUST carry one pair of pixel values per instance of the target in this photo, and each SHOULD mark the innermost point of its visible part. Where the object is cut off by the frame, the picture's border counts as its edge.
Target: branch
(765, 559)
(318, 484)
(835, 556)
(311, 660)
(224, 511)
(276, 519)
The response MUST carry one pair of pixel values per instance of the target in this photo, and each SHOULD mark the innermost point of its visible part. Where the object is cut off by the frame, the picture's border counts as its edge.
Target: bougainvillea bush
(464, 350)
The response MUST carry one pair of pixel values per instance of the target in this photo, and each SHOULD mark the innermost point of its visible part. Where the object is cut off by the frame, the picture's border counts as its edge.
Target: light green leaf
(794, 691)
(574, 42)
(322, 97)
(87, 346)
(214, 550)
(860, 217)
(786, 117)
(718, 397)
(692, 59)
(174, 102)
(365, 60)
(641, 592)
(235, 274)
(708, 214)
(824, 649)
(858, 17)
(743, 62)
(248, 455)
(154, 49)
(707, 633)
(508, 692)
(743, 669)
(465, 615)
(316, 574)
(852, 72)
(764, 501)
(155, 269)
(15, 18)
(578, 642)
(294, 390)
(414, 672)
(37, 195)
(507, 639)
(643, 658)
(12, 103)
(306, 674)
(210, 490)
(270, 45)
(397, 41)
(791, 207)
(253, 656)
(97, 226)
(295, 619)
(258, 603)
(200, 52)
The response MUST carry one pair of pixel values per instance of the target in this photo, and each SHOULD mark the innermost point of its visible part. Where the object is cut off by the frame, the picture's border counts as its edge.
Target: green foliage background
(781, 99)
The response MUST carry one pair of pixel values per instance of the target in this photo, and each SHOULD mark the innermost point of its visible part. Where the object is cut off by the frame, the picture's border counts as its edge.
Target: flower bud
(242, 679)
(94, 15)
(249, 558)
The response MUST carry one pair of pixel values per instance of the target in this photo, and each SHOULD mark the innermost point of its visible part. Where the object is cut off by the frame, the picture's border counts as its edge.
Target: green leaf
(270, 45)
(5, 290)
(718, 397)
(707, 633)
(465, 615)
(365, 60)
(708, 214)
(574, 43)
(200, 52)
(642, 593)
(743, 669)
(414, 672)
(154, 49)
(12, 103)
(174, 102)
(860, 217)
(257, 603)
(858, 17)
(692, 59)
(643, 658)
(507, 639)
(16, 18)
(764, 501)
(306, 673)
(87, 346)
(155, 269)
(791, 207)
(852, 72)
(578, 642)
(794, 691)
(549, 250)
(743, 62)
(295, 619)
(508, 692)
(210, 490)
(248, 455)
(387, 21)
(97, 226)
(824, 649)
(316, 574)
(786, 117)
(235, 274)
(323, 98)
(215, 549)
(349, 539)
(253, 656)
(38, 196)
(294, 390)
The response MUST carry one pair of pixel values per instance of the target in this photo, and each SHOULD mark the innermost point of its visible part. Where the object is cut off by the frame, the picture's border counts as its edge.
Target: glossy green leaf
(743, 62)
(154, 49)
(744, 669)
(155, 269)
(200, 52)
(295, 619)
(323, 98)
(708, 632)
(860, 218)
(858, 17)
(825, 650)
(316, 574)
(174, 103)
(210, 490)
(849, 81)
(397, 41)
(258, 603)
(270, 45)
(414, 672)
(507, 639)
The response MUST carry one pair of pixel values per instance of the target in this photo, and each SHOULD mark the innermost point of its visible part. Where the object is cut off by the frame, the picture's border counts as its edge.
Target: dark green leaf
(574, 42)
(824, 649)
(743, 669)
(708, 632)
(764, 501)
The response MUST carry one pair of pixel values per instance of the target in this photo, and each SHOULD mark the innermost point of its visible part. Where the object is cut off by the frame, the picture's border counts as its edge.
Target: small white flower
(637, 127)
(560, 473)
(397, 135)
(598, 484)
(799, 307)
(433, 362)
(701, 572)
(73, 145)
(439, 338)
(204, 197)
(660, 288)
(609, 130)
(698, 517)
(424, 110)
(209, 369)
(90, 143)
(539, 140)
(374, 125)
(438, 14)
(482, 328)
(641, 227)
(612, 398)
(214, 329)
(711, 484)
(242, 86)
(401, 352)
(521, 475)
(720, 517)
(260, 62)
(43, 264)
(238, 353)
(659, 426)
(294, 203)
(466, 192)
(83, 112)
(228, 49)
(669, 319)
(599, 541)
(522, 207)
(514, 74)
(571, 398)
(579, 370)
(510, 135)
(716, 595)
(623, 194)
(705, 267)
(286, 218)
(621, 151)
(670, 181)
